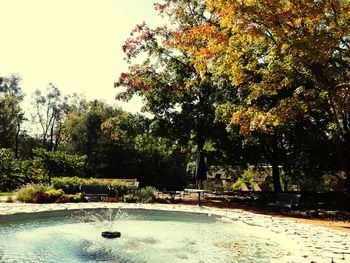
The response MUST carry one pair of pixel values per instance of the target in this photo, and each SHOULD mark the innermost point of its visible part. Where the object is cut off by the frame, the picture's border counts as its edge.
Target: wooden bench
(286, 200)
(95, 191)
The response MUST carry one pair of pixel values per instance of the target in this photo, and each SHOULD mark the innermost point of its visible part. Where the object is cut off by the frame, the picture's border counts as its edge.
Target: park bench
(286, 200)
(95, 191)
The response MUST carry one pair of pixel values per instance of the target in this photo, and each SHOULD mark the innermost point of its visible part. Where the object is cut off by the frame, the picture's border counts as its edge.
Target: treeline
(255, 85)
(70, 136)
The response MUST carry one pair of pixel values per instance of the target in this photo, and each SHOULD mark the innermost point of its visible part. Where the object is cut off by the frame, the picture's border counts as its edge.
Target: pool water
(146, 237)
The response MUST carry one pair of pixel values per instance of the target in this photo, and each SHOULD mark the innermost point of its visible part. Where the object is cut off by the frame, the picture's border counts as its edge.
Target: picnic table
(198, 191)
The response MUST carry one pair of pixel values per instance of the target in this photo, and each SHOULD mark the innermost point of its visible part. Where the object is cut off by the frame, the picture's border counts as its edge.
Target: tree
(288, 59)
(50, 112)
(153, 160)
(11, 114)
(10, 171)
(58, 163)
(82, 134)
(181, 99)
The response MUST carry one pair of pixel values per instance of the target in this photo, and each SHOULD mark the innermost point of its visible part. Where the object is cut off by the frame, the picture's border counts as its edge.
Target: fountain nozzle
(110, 234)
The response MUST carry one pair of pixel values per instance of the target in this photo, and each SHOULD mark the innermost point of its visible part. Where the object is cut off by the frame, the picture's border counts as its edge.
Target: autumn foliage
(289, 51)
(286, 61)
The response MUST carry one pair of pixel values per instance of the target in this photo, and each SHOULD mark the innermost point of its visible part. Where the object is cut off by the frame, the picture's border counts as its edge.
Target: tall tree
(181, 99)
(290, 60)
(11, 114)
(82, 134)
(50, 113)
(151, 159)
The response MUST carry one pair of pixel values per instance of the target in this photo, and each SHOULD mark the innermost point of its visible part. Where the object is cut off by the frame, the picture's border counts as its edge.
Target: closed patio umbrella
(200, 172)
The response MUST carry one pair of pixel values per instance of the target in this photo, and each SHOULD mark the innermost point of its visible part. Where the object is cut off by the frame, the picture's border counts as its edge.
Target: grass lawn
(7, 193)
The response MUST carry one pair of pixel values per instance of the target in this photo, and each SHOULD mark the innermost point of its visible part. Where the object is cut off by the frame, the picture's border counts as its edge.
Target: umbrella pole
(199, 198)
(199, 193)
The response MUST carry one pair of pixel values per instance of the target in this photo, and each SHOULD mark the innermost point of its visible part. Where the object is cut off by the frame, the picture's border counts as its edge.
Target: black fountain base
(110, 234)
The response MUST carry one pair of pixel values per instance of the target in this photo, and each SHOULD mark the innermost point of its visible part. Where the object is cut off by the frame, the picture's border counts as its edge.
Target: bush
(41, 198)
(34, 171)
(11, 175)
(130, 198)
(70, 185)
(146, 194)
(69, 198)
(213, 186)
(10, 199)
(123, 188)
(54, 194)
(249, 177)
(28, 191)
(58, 163)
(237, 185)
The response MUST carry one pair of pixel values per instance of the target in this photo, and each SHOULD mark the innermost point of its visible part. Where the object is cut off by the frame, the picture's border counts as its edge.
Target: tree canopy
(288, 60)
(253, 84)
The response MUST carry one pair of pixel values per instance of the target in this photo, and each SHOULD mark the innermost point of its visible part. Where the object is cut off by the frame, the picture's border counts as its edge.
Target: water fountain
(111, 234)
(109, 218)
(160, 236)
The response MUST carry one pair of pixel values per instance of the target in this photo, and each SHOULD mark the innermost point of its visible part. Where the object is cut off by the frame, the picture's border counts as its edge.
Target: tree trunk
(346, 165)
(275, 169)
(51, 139)
(276, 177)
(347, 178)
(285, 184)
(17, 140)
(200, 145)
(343, 158)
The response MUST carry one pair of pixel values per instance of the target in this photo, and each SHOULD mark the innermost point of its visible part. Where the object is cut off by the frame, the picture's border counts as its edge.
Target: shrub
(228, 186)
(146, 194)
(41, 198)
(10, 199)
(62, 199)
(54, 194)
(11, 175)
(123, 188)
(74, 198)
(237, 185)
(60, 163)
(249, 177)
(33, 171)
(69, 198)
(130, 198)
(27, 192)
(70, 185)
(213, 186)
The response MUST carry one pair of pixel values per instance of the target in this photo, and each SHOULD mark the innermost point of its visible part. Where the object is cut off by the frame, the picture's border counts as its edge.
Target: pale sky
(75, 44)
